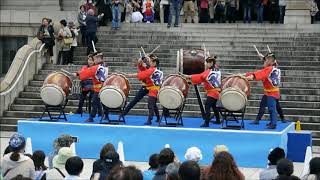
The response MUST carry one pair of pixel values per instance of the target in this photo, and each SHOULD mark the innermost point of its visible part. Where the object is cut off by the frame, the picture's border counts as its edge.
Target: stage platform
(250, 146)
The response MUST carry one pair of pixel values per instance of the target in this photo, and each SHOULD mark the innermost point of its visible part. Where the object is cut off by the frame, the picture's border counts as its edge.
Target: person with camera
(46, 35)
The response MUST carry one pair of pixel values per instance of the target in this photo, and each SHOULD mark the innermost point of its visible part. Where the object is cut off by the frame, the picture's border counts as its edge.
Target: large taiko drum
(235, 92)
(191, 61)
(56, 88)
(173, 91)
(115, 91)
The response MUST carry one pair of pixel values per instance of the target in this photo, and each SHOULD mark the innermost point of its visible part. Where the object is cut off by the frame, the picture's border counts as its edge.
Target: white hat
(60, 160)
(193, 154)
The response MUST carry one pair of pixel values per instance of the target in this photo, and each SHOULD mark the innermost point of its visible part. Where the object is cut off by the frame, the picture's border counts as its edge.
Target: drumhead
(233, 99)
(112, 97)
(170, 97)
(52, 95)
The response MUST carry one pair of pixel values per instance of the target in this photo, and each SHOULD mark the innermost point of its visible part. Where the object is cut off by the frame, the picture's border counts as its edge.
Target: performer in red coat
(98, 74)
(270, 76)
(153, 79)
(211, 80)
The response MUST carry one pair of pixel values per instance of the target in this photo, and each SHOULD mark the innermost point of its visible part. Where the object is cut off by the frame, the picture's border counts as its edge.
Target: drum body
(173, 91)
(56, 88)
(115, 91)
(235, 92)
(191, 61)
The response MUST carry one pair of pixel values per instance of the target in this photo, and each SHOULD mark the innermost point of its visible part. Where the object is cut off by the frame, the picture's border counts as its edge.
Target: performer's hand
(250, 78)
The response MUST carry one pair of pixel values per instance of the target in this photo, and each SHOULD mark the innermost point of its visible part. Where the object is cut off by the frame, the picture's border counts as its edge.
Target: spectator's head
(275, 155)
(90, 60)
(17, 142)
(224, 167)
(154, 161)
(38, 158)
(71, 24)
(172, 171)
(166, 157)
(8, 150)
(60, 160)
(211, 62)
(193, 154)
(98, 57)
(154, 60)
(89, 1)
(105, 149)
(284, 167)
(125, 173)
(220, 148)
(82, 8)
(91, 12)
(63, 141)
(74, 166)
(45, 21)
(112, 159)
(189, 170)
(314, 166)
(269, 60)
(63, 23)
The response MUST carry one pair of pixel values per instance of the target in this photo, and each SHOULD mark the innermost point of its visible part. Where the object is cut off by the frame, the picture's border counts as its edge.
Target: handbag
(68, 40)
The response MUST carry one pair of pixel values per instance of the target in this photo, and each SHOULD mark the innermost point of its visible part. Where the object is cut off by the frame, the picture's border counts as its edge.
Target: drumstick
(140, 54)
(259, 54)
(94, 47)
(154, 50)
(268, 49)
(144, 53)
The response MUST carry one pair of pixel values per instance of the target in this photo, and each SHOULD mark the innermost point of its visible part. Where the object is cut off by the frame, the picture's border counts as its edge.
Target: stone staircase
(297, 52)
(29, 5)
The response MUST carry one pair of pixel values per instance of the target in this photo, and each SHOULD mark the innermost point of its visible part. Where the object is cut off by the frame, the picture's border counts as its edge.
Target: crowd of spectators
(163, 165)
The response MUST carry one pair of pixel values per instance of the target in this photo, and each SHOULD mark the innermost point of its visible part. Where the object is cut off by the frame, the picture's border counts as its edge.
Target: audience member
(285, 170)
(313, 10)
(154, 167)
(174, 11)
(189, 170)
(100, 164)
(125, 173)
(212, 9)
(220, 148)
(89, 5)
(193, 154)
(314, 169)
(111, 161)
(220, 11)
(59, 161)
(274, 11)
(116, 14)
(204, 11)
(134, 14)
(247, 6)
(91, 29)
(16, 163)
(271, 172)
(74, 32)
(282, 10)
(166, 157)
(232, 7)
(104, 6)
(63, 141)
(38, 158)
(172, 171)
(65, 40)
(82, 22)
(148, 11)
(74, 166)
(46, 35)
(223, 167)
(260, 8)
(189, 10)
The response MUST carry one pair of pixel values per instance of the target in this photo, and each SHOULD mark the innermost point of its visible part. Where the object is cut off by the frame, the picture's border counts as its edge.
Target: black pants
(140, 94)
(279, 109)
(211, 103)
(153, 108)
(72, 54)
(91, 36)
(83, 96)
(96, 106)
(204, 15)
(274, 14)
(231, 13)
(63, 57)
(83, 35)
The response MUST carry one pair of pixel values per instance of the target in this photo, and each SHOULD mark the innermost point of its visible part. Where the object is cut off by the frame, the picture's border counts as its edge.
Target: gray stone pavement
(250, 173)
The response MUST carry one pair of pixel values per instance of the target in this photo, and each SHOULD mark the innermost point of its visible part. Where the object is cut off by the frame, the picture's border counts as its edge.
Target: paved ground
(250, 173)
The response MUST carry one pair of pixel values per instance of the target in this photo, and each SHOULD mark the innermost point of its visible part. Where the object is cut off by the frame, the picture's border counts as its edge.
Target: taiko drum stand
(50, 108)
(177, 116)
(121, 119)
(203, 114)
(232, 116)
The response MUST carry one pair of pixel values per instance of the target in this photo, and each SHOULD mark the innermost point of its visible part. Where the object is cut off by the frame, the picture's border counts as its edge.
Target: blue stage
(249, 146)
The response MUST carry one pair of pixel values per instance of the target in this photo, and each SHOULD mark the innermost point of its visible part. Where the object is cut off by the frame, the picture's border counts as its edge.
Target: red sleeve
(141, 68)
(262, 74)
(88, 72)
(197, 78)
(248, 74)
(145, 74)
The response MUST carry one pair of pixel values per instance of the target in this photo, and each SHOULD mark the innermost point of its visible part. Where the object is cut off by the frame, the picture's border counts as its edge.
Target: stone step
(316, 141)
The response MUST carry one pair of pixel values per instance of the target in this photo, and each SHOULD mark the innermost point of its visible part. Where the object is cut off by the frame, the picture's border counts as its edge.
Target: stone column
(297, 12)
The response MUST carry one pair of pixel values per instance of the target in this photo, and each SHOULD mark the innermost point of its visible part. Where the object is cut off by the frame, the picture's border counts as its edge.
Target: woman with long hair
(38, 158)
(223, 167)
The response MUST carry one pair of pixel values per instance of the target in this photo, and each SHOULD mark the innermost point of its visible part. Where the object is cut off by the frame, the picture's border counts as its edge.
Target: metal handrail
(5, 92)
